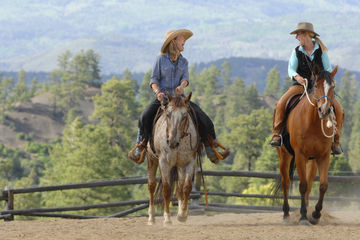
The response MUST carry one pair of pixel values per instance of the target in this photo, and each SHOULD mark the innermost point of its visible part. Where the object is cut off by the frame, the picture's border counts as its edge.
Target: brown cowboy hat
(305, 26)
(170, 35)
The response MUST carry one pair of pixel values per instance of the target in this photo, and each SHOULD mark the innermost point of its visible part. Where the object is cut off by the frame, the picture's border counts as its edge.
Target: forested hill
(256, 69)
(129, 33)
(250, 69)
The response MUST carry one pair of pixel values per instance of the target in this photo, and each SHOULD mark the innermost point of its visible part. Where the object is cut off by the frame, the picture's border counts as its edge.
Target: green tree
(56, 93)
(252, 98)
(21, 90)
(116, 109)
(211, 84)
(354, 145)
(35, 87)
(195, 85)
(347, 92)
(273, 83)
(85, 154)
(248, 133)
(127, 75)
(6, 100)
(146, 93)
(287, 84)
(226, 75)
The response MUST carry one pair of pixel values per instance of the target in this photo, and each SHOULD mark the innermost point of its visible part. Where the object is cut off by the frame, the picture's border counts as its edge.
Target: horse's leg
(284, 165)
(151, 173)
(165, 177)
(188, 173)
(311, 170)
(180, 188)
(323, 165)
(301, 169)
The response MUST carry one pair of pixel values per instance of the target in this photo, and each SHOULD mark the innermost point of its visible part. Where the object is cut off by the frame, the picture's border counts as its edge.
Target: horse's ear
(168, 95)
(334, 71)
(316, 69)
(188, 97)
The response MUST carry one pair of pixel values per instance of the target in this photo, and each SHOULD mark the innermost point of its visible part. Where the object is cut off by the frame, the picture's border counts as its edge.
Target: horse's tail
(174, 178)
(276, 186)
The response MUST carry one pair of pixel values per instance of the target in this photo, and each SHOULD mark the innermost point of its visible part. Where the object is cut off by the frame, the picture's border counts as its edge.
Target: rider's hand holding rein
(300, 79)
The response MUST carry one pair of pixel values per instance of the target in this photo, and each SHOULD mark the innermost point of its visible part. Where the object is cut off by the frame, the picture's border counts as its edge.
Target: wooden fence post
(9, 202)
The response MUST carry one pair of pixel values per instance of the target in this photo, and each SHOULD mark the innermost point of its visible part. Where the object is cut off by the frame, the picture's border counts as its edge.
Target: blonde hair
(171, 49)
(321, 44)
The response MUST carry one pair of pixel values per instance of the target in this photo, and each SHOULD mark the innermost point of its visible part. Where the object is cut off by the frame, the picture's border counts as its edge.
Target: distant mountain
(129, 34)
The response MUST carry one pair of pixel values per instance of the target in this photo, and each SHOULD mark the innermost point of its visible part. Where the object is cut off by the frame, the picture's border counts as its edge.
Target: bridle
(329, 123)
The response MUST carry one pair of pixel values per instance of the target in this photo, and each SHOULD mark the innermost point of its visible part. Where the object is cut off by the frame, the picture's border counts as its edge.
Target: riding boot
(279, 113)
(140, 150)
(277, 120)
(211, 151)
(340, 118)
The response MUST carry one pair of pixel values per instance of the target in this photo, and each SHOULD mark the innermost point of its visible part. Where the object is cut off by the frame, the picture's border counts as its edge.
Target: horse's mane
(178, 100)
(325, 74)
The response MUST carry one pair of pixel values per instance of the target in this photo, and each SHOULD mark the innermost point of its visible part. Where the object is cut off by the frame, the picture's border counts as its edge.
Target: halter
(330, 123)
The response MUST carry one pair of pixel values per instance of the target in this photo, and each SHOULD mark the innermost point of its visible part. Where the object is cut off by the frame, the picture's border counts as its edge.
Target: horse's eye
(169, 115)
(316, 86)
(184, 117)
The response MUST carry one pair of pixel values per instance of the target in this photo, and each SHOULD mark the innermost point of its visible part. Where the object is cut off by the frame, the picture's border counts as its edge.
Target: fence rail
(8, 196)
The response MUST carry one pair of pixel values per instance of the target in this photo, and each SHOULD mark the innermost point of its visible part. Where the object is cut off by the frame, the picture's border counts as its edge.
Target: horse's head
(177, 119)
(323, 90)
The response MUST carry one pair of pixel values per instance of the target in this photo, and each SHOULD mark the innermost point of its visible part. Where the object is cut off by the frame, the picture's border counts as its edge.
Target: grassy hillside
(129, 34)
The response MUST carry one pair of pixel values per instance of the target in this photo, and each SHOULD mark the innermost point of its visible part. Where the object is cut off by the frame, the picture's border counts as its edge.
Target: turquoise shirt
(294, 63)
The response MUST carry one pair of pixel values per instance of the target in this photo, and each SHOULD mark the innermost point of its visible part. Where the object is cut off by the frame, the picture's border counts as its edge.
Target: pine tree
(56, 93)
(273, 83)
(348, 96)
(6, 100)
(287, 84)
(211, 82)
(85, 154)
(117, 111)
(127, 75)
(21, 90)
(248, 133)
(146, 93)
(35, 87)
(354, 145)
(252, 98)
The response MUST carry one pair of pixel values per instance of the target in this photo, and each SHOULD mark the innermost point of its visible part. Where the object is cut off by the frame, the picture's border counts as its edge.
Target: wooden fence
(9, 193)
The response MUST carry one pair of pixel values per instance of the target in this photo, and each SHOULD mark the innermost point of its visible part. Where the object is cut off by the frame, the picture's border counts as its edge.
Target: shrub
(20, 135)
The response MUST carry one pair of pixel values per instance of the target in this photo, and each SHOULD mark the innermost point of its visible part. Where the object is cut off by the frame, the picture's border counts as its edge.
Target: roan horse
(175, 142)
(309, 139)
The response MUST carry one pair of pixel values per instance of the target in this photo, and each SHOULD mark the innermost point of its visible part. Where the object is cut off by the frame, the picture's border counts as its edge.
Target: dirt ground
(333, 225)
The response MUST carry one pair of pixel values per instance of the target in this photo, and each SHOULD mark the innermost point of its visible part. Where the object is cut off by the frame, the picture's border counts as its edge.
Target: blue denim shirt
(168, 75)
(294, 63)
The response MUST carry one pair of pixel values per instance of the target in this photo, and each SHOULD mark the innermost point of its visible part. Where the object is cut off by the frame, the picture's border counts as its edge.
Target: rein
(329, 123)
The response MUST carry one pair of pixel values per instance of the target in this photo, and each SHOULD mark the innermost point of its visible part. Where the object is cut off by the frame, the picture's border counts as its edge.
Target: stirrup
(218, 155)
(281, 140)
(142, 155)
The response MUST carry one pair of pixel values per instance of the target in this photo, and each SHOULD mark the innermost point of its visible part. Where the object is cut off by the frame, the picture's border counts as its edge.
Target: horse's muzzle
(324, 112)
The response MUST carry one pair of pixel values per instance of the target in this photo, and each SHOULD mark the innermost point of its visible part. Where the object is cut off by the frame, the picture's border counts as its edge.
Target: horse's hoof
(286, 221)
(304, 222)
(151, 223)
(167, 224)
(313, 221)
(181, 219)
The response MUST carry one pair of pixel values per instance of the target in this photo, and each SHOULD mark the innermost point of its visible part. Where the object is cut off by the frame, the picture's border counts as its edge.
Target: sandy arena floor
(333, 225)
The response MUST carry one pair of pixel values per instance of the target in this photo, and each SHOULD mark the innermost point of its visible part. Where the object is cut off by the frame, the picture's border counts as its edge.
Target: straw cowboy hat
(170, 35)
(305, 26)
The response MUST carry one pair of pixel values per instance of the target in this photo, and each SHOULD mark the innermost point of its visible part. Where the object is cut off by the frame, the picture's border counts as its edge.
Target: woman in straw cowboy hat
(170, 72)
(311, 50)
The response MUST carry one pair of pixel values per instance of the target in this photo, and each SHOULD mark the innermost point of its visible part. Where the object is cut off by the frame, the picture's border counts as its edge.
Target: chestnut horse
(309, 139)
(175, 142)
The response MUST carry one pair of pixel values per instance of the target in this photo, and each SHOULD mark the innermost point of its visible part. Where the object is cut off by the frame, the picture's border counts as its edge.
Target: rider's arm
(293, 65)
(326, 62)
(155, 75)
